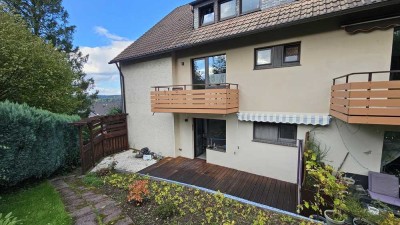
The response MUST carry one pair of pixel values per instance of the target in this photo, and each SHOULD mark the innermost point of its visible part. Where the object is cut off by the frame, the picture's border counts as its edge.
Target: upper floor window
(250, 5)
(227, 9)
(206, 14)
(277, 56)
(209, 72)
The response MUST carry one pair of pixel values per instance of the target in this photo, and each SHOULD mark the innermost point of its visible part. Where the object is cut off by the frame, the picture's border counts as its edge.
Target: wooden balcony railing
(367, 98)
(205, 99)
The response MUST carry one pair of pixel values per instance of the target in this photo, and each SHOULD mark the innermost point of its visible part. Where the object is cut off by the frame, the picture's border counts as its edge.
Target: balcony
(367, 98)
(204, 99)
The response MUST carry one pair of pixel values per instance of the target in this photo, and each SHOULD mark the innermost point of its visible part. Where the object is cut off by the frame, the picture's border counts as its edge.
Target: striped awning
(285, 117)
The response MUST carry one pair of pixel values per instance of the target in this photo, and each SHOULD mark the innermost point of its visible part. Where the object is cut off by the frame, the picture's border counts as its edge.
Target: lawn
(38, 204)
(168, 203)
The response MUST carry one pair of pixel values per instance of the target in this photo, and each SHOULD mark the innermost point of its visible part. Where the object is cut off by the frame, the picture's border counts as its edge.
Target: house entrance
(209, 134)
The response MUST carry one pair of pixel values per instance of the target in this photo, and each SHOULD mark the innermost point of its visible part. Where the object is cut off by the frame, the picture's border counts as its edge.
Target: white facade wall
(144, 128)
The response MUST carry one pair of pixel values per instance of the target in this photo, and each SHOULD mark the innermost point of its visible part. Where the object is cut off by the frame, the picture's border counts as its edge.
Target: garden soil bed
(192, 206)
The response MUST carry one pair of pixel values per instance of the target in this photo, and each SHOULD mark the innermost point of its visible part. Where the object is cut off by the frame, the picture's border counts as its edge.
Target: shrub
(8, 219)
(166, 210)
(35, 143)
(138, 192)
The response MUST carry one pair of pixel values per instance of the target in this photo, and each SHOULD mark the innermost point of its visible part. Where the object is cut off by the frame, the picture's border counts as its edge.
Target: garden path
(87, 207)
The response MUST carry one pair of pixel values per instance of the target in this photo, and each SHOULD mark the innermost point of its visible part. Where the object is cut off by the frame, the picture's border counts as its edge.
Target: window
(249, 6)
(227, 9)
(209, 72)
(275, 133)
(277, 56)
(206, 14)
(291, 53)
(216, 134)
(263, 56)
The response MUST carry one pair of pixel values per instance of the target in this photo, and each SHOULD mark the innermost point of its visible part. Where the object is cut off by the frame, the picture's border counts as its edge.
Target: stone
(81, 212)
(103, 204)
(89, 219)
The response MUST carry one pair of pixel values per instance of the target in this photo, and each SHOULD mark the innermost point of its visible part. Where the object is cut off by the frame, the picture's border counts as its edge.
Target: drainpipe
(122, 82)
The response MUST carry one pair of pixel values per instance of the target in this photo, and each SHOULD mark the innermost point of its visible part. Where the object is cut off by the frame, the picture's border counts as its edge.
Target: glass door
(209, 72)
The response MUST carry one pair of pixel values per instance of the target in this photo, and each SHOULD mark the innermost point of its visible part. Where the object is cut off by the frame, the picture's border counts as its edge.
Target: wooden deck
(264, 190)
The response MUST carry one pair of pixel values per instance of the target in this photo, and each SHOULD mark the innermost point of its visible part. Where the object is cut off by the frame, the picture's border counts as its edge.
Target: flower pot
(358, 221)
(329, 220)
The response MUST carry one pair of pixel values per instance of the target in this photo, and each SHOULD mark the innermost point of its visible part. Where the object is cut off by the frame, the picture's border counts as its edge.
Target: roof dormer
(208, 12)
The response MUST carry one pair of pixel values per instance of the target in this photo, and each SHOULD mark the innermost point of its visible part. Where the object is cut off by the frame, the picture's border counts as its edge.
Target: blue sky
(105, 28)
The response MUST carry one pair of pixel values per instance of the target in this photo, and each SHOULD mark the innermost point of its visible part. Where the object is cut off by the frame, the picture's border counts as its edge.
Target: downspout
(122, 82)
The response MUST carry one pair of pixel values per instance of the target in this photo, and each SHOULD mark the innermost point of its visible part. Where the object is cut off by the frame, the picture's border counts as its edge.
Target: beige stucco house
(239, 82)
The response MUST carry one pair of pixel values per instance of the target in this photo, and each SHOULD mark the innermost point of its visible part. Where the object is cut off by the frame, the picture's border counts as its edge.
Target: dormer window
(248, 6)
(206, 14)
(227, 9)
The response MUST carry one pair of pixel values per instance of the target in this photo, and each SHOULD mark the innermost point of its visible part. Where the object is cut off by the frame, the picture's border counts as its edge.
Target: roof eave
(293, 23)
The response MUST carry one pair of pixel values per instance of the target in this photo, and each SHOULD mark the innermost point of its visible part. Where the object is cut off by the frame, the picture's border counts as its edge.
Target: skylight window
(207, 14)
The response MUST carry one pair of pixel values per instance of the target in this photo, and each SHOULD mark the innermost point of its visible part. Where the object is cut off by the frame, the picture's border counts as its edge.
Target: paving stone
(66, 192)
(89, 219)
(103, 204)
(60, 184)
(82, 212)
(110, 210)
(71, 199)
(95, 199)
(88, 194)
(124, 221)
(113, 216)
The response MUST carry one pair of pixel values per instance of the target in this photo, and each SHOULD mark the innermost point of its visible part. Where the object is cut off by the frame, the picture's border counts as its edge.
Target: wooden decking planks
(264, 190)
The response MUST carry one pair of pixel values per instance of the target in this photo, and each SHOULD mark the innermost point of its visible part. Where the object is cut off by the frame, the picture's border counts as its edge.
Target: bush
(91, 179)
(166, 210)
(138, 192)
(35, 143)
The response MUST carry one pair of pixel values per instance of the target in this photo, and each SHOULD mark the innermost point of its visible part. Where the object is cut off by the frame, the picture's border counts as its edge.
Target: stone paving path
(88, 208)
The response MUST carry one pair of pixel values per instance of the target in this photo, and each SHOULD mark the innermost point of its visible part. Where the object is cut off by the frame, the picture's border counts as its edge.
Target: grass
(38, 204)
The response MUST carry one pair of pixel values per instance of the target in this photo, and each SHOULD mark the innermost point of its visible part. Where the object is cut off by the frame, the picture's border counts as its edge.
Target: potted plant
(359, 221)
(334, 218)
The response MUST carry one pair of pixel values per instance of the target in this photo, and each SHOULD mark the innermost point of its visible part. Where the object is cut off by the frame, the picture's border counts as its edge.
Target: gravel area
(126, 162)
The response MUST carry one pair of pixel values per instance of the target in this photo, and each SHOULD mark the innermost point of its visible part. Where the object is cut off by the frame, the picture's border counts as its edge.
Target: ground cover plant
(149, 201)
(38, 204)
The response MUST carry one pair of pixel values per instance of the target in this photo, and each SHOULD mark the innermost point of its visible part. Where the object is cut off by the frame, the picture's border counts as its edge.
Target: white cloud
(97, 67)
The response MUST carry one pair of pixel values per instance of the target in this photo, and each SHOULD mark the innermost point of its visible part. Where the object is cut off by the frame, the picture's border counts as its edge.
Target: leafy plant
(327, 186)
(8, 219)
(138, 192)
(166, 210)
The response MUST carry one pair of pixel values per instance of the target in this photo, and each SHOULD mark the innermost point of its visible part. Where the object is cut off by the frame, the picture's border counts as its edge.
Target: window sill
(227, 18)
(288, 144)
(263, 67)
(217, 150)
(206, 24)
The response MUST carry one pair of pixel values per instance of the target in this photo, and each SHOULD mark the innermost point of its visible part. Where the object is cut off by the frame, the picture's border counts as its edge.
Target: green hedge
(35, 143)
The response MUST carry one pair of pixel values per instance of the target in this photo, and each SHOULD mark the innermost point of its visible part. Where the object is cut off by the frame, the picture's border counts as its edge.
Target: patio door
(200, 137)
(209, 72)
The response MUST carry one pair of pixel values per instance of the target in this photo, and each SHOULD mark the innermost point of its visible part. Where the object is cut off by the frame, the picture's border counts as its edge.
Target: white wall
(144, 129)
(364, 142)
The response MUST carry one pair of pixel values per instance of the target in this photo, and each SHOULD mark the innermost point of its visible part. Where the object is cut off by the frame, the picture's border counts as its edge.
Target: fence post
(81, 148)
(91, 144)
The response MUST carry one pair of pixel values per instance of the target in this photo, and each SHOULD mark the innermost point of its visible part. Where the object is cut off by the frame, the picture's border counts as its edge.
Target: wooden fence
(101, 136)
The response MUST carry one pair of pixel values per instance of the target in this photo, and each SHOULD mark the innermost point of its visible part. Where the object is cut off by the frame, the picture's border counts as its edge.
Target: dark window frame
(219, 10)
(278, 140)
(249, 11)
(206, 62)
(269, 65)
(211, 5)
(290, 46)
(277, 56)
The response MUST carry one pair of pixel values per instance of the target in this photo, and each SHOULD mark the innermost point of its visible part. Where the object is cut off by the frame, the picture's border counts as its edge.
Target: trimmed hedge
(35, 143)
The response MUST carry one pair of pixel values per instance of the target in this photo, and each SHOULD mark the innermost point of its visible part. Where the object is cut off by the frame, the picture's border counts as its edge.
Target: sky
(105, 28)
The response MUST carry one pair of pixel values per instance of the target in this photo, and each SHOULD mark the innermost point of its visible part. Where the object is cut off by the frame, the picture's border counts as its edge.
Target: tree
(32, 71)
(49, 20)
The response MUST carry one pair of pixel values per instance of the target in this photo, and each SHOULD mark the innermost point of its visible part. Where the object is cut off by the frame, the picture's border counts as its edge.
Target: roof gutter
(122, 83)
(283, 25)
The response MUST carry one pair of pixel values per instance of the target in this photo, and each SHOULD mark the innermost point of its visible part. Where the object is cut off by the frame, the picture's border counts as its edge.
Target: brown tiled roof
(176, 30)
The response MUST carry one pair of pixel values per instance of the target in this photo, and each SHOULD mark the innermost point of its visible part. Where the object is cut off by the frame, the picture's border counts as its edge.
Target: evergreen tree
(49, 20)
